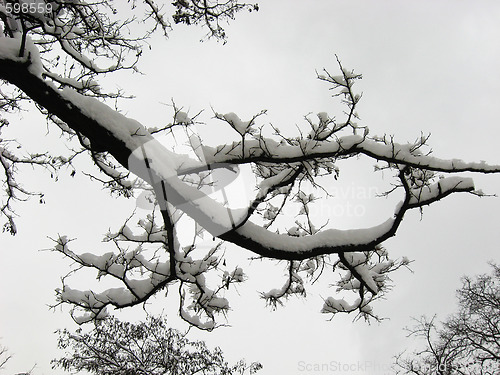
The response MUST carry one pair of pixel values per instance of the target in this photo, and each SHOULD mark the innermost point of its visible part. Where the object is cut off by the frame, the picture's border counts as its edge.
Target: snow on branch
(281, 166)
(290, 174)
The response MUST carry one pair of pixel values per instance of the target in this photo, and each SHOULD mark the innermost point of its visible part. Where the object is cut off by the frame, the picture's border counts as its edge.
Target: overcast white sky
(429, 66)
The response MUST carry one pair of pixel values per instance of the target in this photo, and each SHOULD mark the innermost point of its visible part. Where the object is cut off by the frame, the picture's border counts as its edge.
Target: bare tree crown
(468, 341)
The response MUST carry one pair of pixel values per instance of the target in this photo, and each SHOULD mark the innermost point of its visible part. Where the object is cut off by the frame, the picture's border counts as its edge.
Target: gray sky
(429, 66)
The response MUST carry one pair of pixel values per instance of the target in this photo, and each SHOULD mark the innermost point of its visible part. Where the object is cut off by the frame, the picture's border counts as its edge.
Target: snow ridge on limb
(279, 170)
(151, 256)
